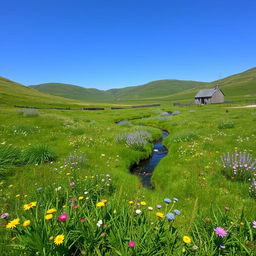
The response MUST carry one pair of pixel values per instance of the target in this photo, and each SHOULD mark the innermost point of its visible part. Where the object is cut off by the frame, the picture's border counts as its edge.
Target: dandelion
(52, 210)
(143, 203)
(186, 239)
(170, 216)
(138, 211)
(80, 198)
(63, 217)
(130, 202)
(100, 204)
(4, 215)
(48, 216)
(220, 231)
(26, 223)
(167, 200)
(29, 205)
(132, 244)
(159, 215)
(13, 223)
(59, 239)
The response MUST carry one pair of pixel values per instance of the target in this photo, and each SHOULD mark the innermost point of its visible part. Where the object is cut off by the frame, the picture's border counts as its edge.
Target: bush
(38, 154)
(226, 125)
(9, 155)
(238, 166)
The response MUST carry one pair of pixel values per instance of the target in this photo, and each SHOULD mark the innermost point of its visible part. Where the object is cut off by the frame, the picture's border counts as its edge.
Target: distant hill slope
(149, 90)
(239, 85)
(12, 93)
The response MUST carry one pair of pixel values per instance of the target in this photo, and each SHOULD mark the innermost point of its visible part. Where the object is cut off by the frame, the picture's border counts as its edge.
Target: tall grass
(38, 154)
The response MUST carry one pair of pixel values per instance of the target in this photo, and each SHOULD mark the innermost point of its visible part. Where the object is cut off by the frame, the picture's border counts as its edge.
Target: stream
(144, 169)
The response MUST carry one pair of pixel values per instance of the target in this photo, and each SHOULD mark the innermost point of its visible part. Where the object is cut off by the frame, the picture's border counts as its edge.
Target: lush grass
(191, 171)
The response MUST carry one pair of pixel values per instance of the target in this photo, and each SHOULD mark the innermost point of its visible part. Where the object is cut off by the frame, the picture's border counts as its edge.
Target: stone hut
(209, 96)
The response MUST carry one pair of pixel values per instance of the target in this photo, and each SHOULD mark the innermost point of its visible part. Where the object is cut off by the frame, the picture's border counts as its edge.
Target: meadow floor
(77, 163)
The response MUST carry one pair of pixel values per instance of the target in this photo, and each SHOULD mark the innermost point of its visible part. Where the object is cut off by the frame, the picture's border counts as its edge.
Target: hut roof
(205, 93)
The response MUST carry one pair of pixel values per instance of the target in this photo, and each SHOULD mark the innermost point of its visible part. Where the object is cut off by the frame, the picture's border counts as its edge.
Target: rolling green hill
(132, 93)
(12, 93)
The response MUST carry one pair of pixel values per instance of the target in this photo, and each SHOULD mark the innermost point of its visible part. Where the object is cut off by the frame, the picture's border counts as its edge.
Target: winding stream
(144, 169)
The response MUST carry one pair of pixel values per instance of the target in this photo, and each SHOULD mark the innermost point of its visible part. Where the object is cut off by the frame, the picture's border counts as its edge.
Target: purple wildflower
(159, 206)
(220, 232)
(167, 200)
(4, 215)
(222, 246)
(177, 212)
(254, 224)
(170, 216)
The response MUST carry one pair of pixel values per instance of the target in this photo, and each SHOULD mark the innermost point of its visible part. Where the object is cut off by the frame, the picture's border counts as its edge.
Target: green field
(71, 162)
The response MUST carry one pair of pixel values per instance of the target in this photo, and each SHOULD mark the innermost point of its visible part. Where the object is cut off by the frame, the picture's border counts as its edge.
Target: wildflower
(138, 211)
(48, 216)
(51, 238)
(132, 244)
(104, 201)
(254, 224)
(29, 205)
(75, 206)
(220, 231)
(52, 210)
(207, 219)
(159, 206)
(186, 239)
(194, 247)
(177, 212)
(83, 219)
(160, 215)
(114, 211)
(13, 223)
(80, 198)
(4, 215)
(222, 246)
(63, 217)
(242, 223)
(100, 204)
(130, 202)
(170, 216)
(175, 199)
(18, 195)
(26, 223)
(72, 184)
(68, 173)
(150, 208)
(99, 223)
(59, 239)
(143, 203)
(167, 200)
(103, 234)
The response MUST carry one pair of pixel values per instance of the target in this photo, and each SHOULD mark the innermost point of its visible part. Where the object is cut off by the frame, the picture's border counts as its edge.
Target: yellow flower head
(48, 216)
(52, 210)
(59, 239)
(18, 195)
(131, 202)
(100, 204)
(186, 239)
(104, 201)
(80, 198)
(29, 205)
(13, 223)
(26, 223)
(160, 215)
(143, 203)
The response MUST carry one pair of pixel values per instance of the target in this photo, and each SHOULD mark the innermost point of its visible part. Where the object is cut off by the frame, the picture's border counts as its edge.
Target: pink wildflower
(220, 232)
(63, 217)
(254, 224)
(132, 244)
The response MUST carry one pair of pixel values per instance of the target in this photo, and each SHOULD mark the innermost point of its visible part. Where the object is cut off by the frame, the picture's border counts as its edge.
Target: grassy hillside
(149, 90)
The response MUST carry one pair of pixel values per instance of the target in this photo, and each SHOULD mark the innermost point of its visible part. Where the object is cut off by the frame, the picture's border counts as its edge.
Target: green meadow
(66, 186)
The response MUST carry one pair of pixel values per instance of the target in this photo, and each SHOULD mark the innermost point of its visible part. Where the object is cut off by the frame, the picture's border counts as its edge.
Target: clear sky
(116, 43)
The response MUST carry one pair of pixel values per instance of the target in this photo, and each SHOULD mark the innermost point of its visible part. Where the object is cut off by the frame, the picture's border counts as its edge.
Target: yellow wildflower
(80, 198)
(131, 202)
(143, 203)
(26, 223)
(29, 205)
(52, 210)
(59, 239)
(160, 215)
(13, 223)
(186, 239)
(48, 216)
(18, 195)
(100, 204)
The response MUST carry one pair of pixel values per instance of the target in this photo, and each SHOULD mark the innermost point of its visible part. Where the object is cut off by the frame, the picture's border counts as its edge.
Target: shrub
(238, 166)
(135, 140)
(38, 154)
(226, 124)
(9, 155)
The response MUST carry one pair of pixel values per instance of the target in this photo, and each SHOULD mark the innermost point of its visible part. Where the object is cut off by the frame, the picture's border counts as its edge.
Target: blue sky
(118, 43)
